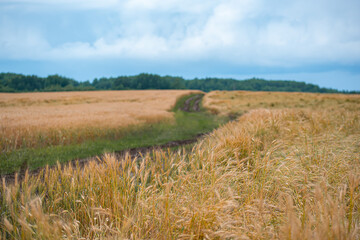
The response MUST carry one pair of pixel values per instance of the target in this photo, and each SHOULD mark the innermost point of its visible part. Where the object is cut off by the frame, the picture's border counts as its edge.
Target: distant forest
(12, 82)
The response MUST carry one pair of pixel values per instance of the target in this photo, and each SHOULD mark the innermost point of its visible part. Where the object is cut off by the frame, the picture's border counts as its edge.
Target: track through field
(191, 104)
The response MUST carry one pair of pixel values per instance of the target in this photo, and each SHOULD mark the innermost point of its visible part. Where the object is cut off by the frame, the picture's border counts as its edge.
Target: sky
(312, 41)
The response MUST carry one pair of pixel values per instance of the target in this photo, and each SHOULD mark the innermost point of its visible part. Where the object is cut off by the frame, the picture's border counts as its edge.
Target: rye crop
(239, 102)
(271, 174)
(32, 120)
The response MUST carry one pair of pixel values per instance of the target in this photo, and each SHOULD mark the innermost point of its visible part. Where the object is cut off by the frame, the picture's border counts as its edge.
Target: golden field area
(227, 102)
(285, 172)
(29, 119)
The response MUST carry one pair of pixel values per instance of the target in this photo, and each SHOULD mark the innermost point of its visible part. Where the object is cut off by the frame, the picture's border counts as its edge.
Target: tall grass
(287, 174)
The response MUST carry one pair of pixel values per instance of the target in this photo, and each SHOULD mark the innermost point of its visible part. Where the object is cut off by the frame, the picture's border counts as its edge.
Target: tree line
(12, 82)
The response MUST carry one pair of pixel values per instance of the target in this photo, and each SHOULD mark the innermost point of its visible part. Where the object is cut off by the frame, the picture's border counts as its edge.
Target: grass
(272, 174)
(186, 126)
(190, 100)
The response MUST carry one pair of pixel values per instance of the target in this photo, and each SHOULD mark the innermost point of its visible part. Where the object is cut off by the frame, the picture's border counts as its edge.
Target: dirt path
(137, 152)
(133, 152)
(192, 104)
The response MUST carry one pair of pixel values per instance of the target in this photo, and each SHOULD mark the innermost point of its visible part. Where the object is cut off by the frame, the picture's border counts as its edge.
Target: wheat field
(37, 119)
(239, 102)
(287, 173)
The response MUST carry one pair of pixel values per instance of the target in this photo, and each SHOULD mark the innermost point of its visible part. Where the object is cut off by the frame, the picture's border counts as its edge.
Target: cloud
(63, 4)
(17, 42)
(285, 33)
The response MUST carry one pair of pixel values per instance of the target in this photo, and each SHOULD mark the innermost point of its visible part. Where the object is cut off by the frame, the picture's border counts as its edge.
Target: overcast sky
(312, 41)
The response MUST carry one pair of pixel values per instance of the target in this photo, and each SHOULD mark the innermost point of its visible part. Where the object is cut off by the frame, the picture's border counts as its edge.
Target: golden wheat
(228, 102)
(35, 119)
(272, 174)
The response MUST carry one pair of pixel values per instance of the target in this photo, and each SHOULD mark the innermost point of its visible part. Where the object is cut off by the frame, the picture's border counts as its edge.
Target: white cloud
(238, 31)
(17, 42)
(66, 4)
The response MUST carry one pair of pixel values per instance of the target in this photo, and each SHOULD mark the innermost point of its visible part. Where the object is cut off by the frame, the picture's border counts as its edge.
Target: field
(71, 127)
(287, 168)
(239, 102)
(41, 119)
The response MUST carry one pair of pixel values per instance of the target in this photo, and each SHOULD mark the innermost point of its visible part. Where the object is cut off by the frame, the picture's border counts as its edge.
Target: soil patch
(192, 104)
